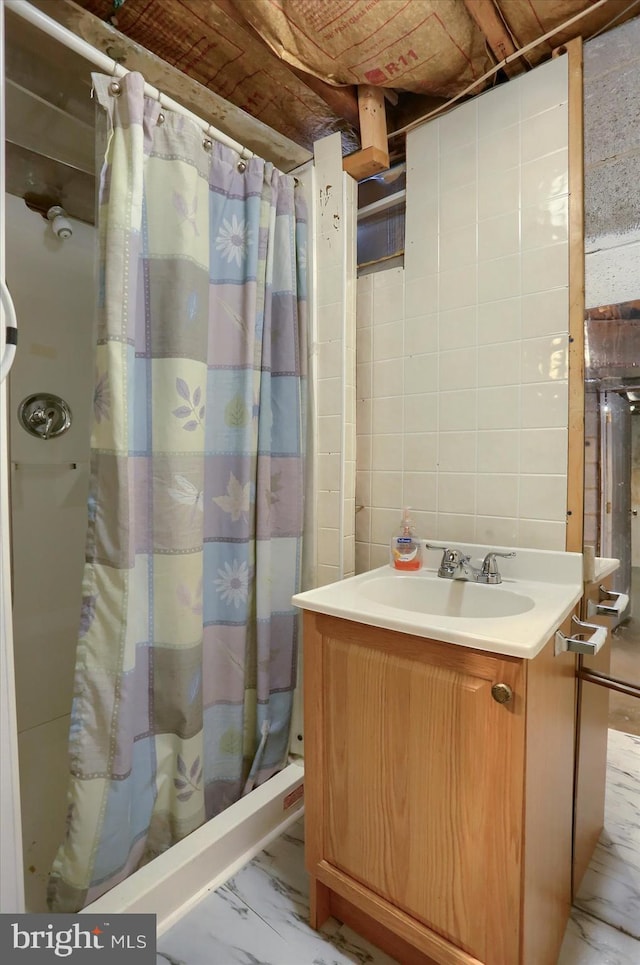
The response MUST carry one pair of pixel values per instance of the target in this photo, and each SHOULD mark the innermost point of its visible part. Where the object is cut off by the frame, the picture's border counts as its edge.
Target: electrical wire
(497, 67)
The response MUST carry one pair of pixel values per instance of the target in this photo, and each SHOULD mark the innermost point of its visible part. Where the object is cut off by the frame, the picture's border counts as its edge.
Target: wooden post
(374, 153)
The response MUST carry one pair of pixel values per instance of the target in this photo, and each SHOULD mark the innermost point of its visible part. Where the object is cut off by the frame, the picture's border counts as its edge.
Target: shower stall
(50, 254)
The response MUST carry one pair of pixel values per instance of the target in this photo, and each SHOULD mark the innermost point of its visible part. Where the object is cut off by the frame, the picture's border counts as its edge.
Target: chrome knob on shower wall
(44, 415)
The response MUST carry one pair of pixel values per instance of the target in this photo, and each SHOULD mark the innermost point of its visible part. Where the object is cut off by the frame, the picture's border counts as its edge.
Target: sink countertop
(552, 581)
(604, 566)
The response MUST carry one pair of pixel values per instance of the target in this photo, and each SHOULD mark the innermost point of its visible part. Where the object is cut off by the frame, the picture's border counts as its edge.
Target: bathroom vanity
(439, 752)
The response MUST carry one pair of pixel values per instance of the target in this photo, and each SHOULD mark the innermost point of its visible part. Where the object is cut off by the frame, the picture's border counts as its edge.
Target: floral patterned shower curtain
(186, 657)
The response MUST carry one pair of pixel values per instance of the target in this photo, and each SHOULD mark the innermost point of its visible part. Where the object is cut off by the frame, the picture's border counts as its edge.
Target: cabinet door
(423, 783)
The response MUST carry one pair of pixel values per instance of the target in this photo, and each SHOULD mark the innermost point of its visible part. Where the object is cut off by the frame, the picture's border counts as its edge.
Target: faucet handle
(489, 565)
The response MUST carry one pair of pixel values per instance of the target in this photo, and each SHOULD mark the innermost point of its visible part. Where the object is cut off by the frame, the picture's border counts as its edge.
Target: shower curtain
(186, 656)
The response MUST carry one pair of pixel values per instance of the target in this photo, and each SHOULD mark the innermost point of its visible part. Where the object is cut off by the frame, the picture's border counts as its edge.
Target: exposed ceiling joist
(488, 19)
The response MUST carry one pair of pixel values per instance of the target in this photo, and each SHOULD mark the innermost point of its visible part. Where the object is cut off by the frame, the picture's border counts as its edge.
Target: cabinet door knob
(502, 693)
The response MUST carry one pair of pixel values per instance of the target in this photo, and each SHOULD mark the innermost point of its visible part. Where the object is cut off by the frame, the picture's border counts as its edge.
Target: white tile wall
(335, 351)
(462, 356)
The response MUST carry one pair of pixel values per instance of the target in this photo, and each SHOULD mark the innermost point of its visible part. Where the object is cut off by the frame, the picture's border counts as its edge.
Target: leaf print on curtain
(186, 655)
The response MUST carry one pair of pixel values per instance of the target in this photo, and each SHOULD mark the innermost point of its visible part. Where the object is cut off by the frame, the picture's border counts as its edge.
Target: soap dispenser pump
(406, 549)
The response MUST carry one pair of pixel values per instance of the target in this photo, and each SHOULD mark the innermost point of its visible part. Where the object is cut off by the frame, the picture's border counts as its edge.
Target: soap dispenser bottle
(406, 548)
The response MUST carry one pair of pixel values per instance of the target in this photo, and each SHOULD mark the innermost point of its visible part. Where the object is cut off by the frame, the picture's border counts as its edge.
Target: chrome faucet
(456, 565)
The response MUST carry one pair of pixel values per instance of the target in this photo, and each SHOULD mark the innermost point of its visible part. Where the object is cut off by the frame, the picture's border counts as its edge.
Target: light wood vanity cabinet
(438, 821)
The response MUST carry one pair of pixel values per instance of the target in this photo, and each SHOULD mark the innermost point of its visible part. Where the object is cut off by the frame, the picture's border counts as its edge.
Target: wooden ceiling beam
(487, 17)
(343, 101)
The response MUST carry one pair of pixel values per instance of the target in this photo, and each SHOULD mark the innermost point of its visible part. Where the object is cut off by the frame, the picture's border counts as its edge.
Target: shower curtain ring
(161, 115)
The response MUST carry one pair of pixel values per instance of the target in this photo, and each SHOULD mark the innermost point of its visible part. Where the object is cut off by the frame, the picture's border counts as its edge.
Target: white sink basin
(516, 617)
(447, 598)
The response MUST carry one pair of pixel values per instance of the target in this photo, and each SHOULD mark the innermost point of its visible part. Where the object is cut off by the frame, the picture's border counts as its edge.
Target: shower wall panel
(52, 283)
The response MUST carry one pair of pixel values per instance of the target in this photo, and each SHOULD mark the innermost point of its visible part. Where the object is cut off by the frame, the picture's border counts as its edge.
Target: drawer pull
(610, 604)
(581, 642)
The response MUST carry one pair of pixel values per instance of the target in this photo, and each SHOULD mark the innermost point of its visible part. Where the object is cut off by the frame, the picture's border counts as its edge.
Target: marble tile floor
(259, 917)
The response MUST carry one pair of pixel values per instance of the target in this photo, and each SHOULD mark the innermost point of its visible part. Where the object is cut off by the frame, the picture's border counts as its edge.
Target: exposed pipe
(112, 67)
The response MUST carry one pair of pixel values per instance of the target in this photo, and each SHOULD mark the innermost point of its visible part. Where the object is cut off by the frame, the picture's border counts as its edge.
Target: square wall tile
(330, 322)
(388, 303)
(498, 193)
(457, 328)
(546, 223)
(458, 287)
(499, 236)
(363, 556)
(457, 167)
(420, 295)
(419, 491)
(364, 344)
(364, 417)
(545, 178)
(545, 359)
(458, 247)
(545, 268)
(421, 412)
(363, 490)
(545, 313)
(384, 524)
(421, 335)
(420, 452)
(499, 278)
(498, 108)
(457, 409)
(329, 473)
(327, 545)
(329, 396)
(386, 452)
(544, 451)
(457, 368)
(387, 414)
(455, 527)
(545, 133)
(458, 128)
(543, 497)
(499, 408)
(388, 377)
(420, 373)
(386, 489)
(499, 364)
(363, 449)
(387, 278)
(388, 340)
(457, 451)
(330, 359)
(497, 495)
(498, 450)
(544, 88)
(499, 151)
(457, 493)
(497, 530)
(422, 152)
(458, 207)
(421, 246)
(329, 433)
(545, 405)
(499, 321)
(541, 534)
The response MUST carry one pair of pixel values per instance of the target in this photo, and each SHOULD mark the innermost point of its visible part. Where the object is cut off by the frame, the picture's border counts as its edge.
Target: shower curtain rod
(51, 27)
